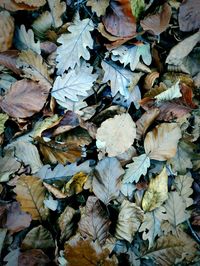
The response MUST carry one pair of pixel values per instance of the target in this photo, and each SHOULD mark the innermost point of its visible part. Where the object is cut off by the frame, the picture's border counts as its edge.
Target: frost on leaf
(74, 45)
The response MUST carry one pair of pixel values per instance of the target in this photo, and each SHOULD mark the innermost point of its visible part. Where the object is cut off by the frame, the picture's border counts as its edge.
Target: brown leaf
(119, 20)
(6, 30)
(66, 222)
(189, 16)
(159, 22)
(31, 194)
(161, 143)
(18, 102)
(35, 3)
(187, 95)
(17, 220)
(55, 191)
(150, 79)
(8, 59)
(33, 257)
(94, 221)
(86, 253)
(11, 5)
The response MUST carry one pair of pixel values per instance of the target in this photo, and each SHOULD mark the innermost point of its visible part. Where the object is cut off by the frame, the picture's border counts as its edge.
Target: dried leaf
(35, 3)
(75, 83)
(24, 40)
(55, 191)
(13, 6)
(38, 238)
(8, 166)
(136, 169)
(8, 59)
(6, 30)
(17, 220)
(87, 253)
(66, 223)
(33, 257)
(3, 119)
(150, 79)
(170, 94)
(6, 81)
(74, 44)
(119, 77)
(106, 182)
(98, 6)
(157, 192)
(18, 102)
(131, 55)
(94, 221)
(188, 16)
(112, 137)
(182, 49)
(31, 194)
(119, 20)
(76, 183)
(137, 7)
(151, 226)
(57, 9)
(33, 67)
(129, 220)
(159, 22)
(42, 24)
(3, 233)
(161, 143)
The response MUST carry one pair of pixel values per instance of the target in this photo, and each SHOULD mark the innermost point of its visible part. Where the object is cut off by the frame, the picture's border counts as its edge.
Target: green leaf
(137, 7)
(3, 119)
(136, 169)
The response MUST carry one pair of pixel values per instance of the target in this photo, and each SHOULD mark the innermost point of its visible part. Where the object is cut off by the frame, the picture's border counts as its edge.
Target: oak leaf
(18, 102)
(107, 180)
(6, 30)
(161, 143)
(31, 194)
(98, 6)
(57, 9)
(112, 137)
(75, 44)
(35, 3)
(157, 192)
(94, 222)
(129, 220)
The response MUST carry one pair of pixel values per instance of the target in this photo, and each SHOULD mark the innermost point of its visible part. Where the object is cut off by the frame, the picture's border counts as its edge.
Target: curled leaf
(6, 30)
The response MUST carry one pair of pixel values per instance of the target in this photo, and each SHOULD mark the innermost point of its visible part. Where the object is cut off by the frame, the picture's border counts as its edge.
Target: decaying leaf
(94, 221)
(31, 193)
(136, 169)
(6, 30)
(66, 223)
(112, 137)
(38, 238)
(157, 192)
(161, 143)
(98, 6)
(107, 179)
(57, 9)
(75, 44)
(129, 220)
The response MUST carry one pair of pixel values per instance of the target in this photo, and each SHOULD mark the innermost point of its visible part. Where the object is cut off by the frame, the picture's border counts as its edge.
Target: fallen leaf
(136, 169)
(188, 16)
(35, 3)
(150, 79)
(17, 220)
(187, 95)
(161, 143)
(170, 94)
(66, 223)
(157, 192)
(137, 7)
(94, 222)
(74, 44)
(119, 20)
(87, 253)
(76, 183)
(159, 22)
(38, 238)
(129, 220)
(31, 193)
(33, 257)
(3, 119)
(98, 6)
(3, 233)
(18, 102)
(9, 60)
(6, 30)
(107, 179)
(8, 165)
(57, 9)
(12, 257)
(55, 191)
(112, 137)
(13, 6)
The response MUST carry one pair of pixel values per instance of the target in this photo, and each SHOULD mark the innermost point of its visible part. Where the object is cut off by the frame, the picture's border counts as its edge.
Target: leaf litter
(99, 132)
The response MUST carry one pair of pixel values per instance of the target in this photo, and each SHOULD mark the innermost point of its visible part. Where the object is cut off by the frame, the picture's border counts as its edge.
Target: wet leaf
(31, 194)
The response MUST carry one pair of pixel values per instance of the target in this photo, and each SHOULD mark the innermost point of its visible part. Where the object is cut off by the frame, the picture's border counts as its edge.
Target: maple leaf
(136, 169)
(75, 83)
(24, 40)
(74, 44)
(94, 221)
(131, 55)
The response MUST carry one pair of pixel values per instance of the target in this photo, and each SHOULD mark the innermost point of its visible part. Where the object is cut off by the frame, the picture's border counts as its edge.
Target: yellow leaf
(55, 191)
(31, 194)
(3, 119)
(75, 184)
(157, 192)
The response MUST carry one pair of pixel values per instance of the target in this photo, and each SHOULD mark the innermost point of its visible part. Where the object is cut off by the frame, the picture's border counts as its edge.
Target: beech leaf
(8, 166)
(129, 220)
(66, 222)
(31, 194)
(136, 169)
(94, 221)
(112, 137)
(107, 180)
(157, 192)
(75, 44)
(161, 143)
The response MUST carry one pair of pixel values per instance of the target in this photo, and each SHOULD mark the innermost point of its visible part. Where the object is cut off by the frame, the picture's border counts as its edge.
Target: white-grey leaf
(172, 93)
